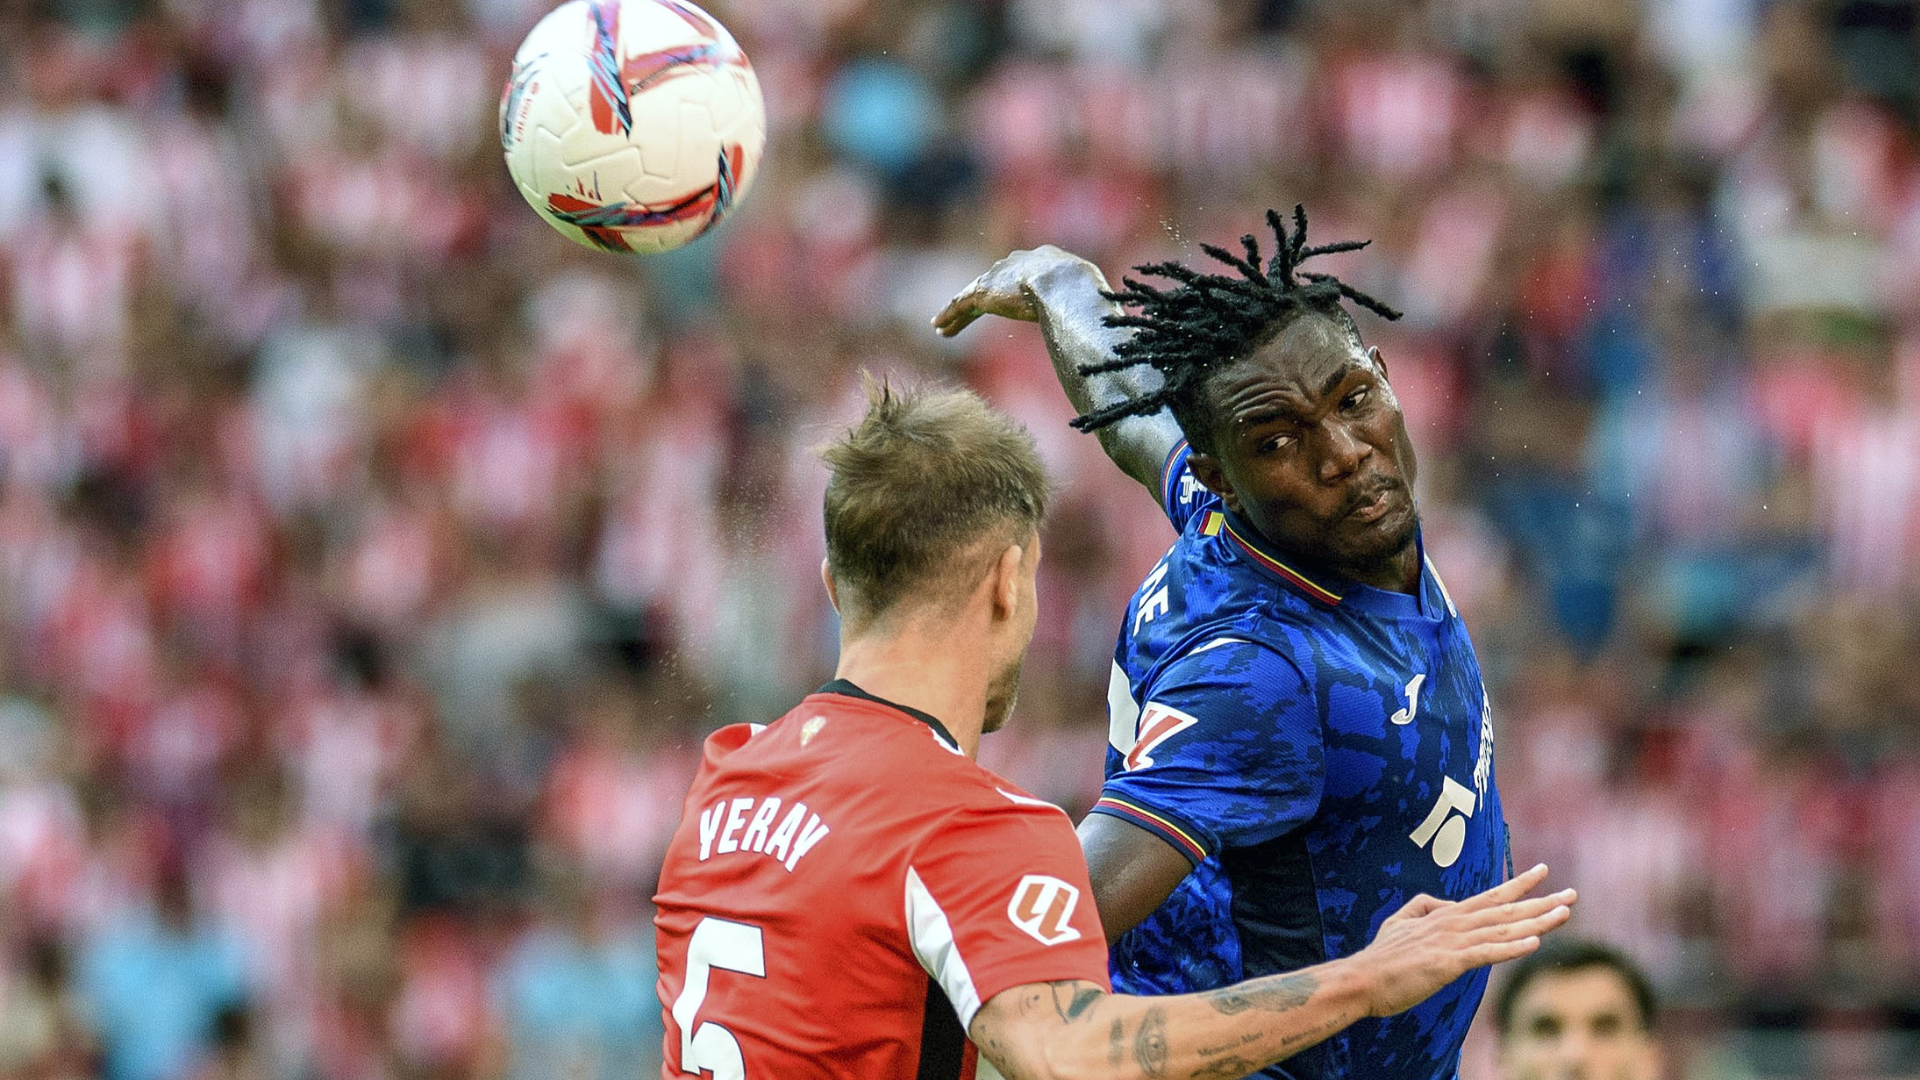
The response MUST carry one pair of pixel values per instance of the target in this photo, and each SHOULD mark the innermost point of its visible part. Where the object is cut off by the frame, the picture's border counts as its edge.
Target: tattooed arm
(1061, 291)
(1076, 1029)
(1057, 1031)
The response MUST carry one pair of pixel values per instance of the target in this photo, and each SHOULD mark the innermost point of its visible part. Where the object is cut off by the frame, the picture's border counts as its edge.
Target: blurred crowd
(374, 560)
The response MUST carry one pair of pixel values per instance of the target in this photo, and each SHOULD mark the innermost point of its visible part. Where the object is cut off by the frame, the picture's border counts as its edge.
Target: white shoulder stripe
(1219, 641)
(1444, 594)
(1028, 800)
(939, 955)
(1123, 713)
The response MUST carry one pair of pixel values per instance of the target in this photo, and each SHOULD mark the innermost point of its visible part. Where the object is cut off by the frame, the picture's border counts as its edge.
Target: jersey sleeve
(1228, 752)
(998, 897)
(1182, 495)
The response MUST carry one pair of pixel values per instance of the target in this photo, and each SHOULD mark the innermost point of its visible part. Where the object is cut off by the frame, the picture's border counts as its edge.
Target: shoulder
(1233, 652)
(856, 748)
(988, 793)
(885, 746)
(1229, 688)
(1232, 672)
(981, 825)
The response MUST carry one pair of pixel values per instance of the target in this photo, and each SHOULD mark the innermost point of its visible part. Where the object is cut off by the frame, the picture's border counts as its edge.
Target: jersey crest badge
(1157, 724)
(1042, 907)
(811, 728)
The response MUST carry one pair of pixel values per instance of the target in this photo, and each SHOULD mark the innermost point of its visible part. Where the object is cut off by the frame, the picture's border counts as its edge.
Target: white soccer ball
(631, 125)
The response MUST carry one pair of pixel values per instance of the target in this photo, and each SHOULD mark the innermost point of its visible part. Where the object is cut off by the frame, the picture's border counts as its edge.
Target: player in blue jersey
(1300, 738)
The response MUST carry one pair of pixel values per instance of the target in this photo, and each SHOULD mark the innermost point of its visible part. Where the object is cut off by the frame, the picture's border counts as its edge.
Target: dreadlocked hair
(1208, 321)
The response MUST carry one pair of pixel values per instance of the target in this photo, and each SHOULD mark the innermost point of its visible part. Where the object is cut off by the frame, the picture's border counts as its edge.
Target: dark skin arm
(1132, 871)
(1061, 291)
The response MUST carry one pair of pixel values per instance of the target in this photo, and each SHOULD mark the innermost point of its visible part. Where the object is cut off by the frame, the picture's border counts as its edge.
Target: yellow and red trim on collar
(1289, 574)
(1180, 836)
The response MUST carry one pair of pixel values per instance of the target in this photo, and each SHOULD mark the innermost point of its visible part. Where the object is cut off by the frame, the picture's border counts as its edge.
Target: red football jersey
(846, 888)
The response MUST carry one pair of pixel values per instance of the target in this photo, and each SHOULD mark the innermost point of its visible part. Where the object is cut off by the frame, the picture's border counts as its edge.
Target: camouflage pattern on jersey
(1322, 752)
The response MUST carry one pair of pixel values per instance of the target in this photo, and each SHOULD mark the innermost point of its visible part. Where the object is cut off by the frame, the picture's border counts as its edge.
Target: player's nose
(1343, 451)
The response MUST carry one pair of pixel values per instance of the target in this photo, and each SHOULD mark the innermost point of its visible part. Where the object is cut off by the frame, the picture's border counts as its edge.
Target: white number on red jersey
(729, 946)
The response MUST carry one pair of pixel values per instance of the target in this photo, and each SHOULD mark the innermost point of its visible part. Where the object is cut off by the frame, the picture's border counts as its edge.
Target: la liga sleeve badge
(1042, 907)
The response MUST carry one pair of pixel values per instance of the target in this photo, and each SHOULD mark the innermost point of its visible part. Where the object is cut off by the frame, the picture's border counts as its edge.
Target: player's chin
(1390, 534)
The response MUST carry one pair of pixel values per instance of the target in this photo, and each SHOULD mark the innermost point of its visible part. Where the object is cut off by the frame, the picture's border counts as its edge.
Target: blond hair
(926, 487)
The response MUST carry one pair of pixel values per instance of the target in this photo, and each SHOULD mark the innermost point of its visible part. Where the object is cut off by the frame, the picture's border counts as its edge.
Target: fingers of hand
(1517, 910)
(1500, 952)
(1512, 889)
(1531, 926)
(959, 312)
(957, 322)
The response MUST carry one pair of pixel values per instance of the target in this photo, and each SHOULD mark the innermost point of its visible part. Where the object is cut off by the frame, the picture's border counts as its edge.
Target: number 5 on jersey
(1447, 832)
(729, 946)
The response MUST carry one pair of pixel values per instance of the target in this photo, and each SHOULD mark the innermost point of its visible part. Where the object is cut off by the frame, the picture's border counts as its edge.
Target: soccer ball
(631, 125)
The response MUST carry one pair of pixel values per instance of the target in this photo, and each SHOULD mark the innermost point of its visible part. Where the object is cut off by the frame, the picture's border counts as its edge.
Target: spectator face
(1580, 1024)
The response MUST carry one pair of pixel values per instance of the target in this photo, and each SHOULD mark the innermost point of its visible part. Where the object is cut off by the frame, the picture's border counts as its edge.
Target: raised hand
(1007, 288)
(1063, 293)
(1428, 943)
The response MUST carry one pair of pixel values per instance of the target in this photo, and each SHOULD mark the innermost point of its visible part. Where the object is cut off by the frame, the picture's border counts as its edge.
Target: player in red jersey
(849, 895)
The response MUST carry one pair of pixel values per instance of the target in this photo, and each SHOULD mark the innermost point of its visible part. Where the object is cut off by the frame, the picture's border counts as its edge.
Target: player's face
(1578, 1025)
(1313, 451)
(1004, 689)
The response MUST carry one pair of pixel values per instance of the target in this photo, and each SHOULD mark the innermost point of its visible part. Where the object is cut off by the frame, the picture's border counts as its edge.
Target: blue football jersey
(1321, 751)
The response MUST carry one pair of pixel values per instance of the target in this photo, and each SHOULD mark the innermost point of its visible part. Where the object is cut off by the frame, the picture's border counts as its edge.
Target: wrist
(1065, 276)
(1352, 985)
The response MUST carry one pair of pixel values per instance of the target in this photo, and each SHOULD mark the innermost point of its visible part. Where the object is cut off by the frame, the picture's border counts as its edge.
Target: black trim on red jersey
(943, 1046)
(846, 689)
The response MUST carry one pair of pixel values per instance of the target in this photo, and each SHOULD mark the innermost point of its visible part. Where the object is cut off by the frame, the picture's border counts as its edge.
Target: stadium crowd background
(374, 560)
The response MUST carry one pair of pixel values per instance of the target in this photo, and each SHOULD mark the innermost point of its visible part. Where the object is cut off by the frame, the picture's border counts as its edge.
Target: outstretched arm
(1052, 1031)
(1061, 291)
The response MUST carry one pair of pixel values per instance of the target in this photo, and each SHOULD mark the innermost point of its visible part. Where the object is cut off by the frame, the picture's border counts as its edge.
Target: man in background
(1577, 1010)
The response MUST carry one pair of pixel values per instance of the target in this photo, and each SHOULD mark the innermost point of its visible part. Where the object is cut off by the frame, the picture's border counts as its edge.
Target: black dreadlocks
(1208, 321)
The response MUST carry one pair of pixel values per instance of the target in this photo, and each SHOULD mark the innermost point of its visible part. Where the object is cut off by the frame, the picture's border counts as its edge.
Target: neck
(1399, 572)
(934, 668)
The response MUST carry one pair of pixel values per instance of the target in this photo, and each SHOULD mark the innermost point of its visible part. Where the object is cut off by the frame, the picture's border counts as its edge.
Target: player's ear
(1006, 578)
(1378, 361)
(1206, 469)
(826, 577)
